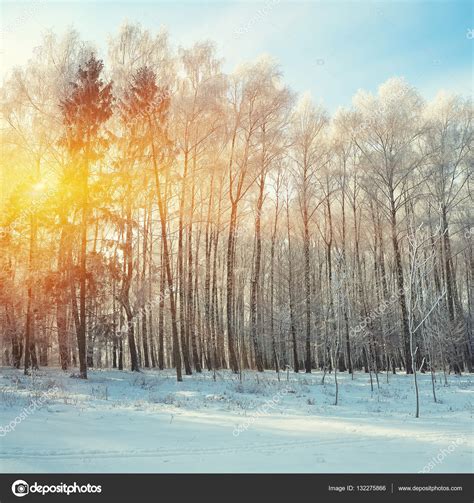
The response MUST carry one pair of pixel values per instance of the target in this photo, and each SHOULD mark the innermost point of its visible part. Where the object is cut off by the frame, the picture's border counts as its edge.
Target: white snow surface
(147, 422)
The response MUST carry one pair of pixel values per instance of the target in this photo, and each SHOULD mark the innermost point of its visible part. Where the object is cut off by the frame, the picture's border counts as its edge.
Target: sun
(39, 187)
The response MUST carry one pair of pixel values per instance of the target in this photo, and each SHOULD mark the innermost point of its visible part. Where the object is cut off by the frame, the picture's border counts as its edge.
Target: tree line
(159, 212)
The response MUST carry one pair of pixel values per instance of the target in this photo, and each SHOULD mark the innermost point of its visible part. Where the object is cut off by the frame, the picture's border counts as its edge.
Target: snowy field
(120, 421)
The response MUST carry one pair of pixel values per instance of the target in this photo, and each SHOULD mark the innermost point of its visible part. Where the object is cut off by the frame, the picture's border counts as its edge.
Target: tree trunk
(230, 288)
(256, 276)
(401, 289)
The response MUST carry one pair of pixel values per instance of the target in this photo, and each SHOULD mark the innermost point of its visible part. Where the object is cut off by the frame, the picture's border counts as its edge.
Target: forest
(160, 212)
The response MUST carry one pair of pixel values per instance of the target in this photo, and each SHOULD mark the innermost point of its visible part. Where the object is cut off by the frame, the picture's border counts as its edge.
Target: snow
(119, 421)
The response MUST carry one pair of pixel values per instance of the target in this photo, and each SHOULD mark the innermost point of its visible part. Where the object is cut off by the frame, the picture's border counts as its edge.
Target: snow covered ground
(119, 421)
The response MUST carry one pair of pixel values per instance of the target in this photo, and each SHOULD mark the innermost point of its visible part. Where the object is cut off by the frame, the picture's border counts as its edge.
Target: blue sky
(331, 48)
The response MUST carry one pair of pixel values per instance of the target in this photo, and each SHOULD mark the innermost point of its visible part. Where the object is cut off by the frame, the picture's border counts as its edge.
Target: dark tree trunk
(401, 289)
(30, 351)
(296, 364)
(230, 288)
(254, 288)
(167, 264)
